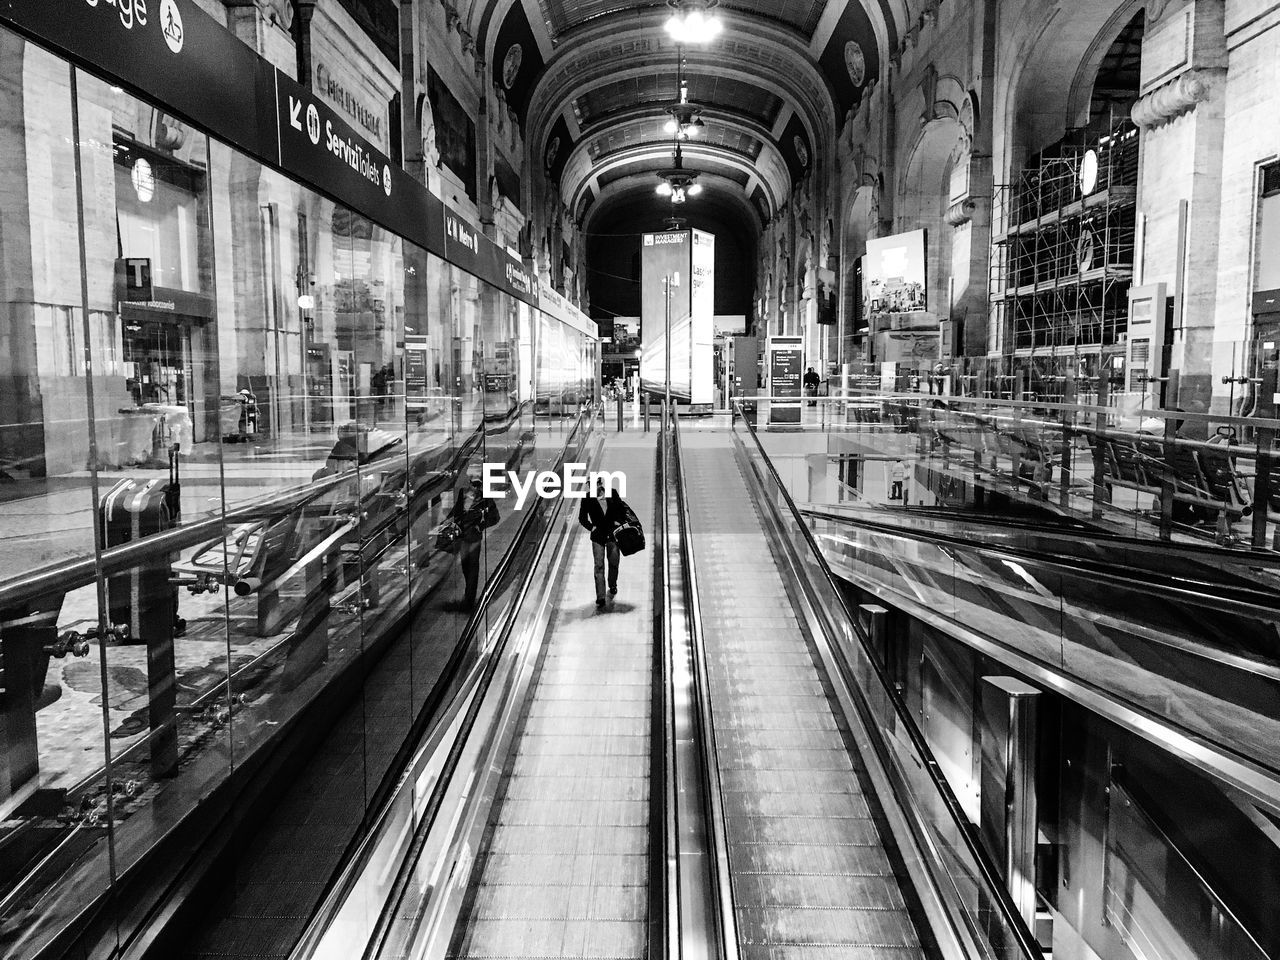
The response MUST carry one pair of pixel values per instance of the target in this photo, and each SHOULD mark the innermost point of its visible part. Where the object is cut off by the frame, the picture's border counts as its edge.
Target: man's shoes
(600, 603)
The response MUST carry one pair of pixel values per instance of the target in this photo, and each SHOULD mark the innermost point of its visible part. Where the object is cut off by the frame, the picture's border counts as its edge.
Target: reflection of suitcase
(141, 596)
(629, 535)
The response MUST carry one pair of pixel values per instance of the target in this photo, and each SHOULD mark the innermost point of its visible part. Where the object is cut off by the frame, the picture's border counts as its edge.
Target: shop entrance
(157, 357)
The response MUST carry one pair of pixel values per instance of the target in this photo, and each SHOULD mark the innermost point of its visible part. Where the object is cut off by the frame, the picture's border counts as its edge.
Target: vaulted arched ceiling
(589, 80)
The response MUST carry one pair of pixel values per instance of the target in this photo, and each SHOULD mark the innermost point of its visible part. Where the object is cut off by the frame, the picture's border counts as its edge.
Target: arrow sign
(295, 112)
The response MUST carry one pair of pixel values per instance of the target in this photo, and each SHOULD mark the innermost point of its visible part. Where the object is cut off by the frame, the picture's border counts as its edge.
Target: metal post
(666, 283)
(1168, 482)
(619, 412)
(875, 619)
(1262, 488)
(644, 400)
(1008, 815)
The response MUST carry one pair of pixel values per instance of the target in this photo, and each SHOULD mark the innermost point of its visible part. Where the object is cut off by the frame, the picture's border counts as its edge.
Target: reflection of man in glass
(472, 513)
(898, 473)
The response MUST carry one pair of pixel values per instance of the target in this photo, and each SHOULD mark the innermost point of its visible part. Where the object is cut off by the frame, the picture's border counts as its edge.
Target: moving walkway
(715, 766)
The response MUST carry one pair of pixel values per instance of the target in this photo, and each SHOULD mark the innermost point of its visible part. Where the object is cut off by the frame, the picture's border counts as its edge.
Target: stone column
(1181, 118)
(969, 216)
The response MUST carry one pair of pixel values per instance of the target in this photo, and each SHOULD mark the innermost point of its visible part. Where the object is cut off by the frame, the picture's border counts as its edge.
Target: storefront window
(240, 510)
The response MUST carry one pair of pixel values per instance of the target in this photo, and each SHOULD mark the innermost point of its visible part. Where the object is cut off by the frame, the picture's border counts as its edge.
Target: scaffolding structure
(1062, 260)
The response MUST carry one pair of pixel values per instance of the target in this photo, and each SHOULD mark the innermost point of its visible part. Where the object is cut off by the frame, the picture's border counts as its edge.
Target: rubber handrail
(669, 946)
(716, 829)
(989, 874)
(663, 883)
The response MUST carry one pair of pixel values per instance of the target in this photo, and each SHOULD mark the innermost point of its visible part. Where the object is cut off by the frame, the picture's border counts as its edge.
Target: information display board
(786, 365)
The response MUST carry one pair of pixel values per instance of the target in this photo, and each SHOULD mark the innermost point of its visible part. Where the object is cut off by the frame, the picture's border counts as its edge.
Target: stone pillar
(969, 216)
(1181, 118)
(410, 119)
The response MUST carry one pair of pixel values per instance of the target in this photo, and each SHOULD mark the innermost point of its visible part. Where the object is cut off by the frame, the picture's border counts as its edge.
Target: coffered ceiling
(561, 16)
(660, 89)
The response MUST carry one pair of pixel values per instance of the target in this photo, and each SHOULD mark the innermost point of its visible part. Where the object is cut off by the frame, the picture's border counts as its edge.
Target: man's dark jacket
(600, 522)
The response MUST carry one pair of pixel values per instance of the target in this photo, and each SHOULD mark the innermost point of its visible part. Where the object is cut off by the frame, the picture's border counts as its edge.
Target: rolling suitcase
(629, 535)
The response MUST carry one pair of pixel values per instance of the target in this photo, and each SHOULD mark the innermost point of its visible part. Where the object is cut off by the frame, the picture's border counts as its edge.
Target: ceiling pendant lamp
(693, 21)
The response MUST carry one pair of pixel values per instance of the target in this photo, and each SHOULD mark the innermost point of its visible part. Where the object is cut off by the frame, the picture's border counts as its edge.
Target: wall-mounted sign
(134, 278)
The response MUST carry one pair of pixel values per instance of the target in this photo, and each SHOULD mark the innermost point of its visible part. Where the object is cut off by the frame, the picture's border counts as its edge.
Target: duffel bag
(449, 537)
(629, 535)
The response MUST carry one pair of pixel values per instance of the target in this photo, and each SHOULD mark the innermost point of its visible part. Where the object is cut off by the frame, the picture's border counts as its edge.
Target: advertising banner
(702, 318)
(894, 282)
(786, 365)
(665, 270)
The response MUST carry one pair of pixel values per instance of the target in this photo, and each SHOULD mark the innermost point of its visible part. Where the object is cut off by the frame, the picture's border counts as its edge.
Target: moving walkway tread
(814, 871)
(564, 865)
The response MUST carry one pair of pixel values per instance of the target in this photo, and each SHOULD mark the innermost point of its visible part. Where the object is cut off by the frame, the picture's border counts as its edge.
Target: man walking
(897, 474)
(811, 382)
(601, 513)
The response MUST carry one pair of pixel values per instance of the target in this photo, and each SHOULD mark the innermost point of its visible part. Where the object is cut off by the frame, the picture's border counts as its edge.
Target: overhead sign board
(324, 149)
(162, 45)
(473, 251)
(205, 74)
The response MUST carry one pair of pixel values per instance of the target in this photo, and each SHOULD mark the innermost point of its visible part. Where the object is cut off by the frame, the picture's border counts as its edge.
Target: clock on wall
(1089, 172)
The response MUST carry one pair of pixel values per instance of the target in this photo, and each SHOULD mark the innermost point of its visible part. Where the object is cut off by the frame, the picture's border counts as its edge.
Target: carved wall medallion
(855, 62)
(511, 65)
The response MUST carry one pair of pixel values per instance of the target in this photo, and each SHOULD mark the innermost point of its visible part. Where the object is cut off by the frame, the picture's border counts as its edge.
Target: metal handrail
(670, 834)
(988, 872)
(947, 401)
(61, 577)
(341, 887)
(713, 799)
(1201, 593)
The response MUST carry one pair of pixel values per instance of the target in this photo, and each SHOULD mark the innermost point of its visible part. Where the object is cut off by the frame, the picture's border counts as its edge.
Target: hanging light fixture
(678, 183)
(684, 121)
(693, 21)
